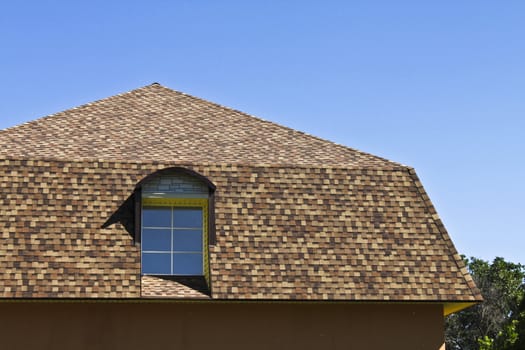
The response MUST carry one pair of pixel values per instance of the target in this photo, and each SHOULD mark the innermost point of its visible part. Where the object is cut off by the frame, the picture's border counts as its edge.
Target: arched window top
(166, 184)
(176, 180)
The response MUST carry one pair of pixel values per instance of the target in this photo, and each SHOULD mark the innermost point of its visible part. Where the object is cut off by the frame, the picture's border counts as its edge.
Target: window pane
(187, 264)
(156, 217)
(156, 263)
(187, 240)
(156, 239)
(187, 217)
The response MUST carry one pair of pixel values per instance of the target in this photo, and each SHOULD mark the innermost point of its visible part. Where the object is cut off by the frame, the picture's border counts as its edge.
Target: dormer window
(171, 214)
(174, 236)
(175, 222)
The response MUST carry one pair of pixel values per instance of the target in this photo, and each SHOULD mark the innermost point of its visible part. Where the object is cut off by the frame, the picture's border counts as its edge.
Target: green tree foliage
(497, 323)
(520, 328)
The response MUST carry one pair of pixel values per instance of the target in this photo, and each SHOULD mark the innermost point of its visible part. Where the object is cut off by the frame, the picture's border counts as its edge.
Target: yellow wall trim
(450, 308)
(176, 202)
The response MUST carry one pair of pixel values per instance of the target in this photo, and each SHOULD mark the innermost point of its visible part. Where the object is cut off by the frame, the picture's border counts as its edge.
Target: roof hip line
(444, 234)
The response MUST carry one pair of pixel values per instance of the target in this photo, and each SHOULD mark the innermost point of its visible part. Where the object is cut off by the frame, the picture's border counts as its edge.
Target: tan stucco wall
(71, 325)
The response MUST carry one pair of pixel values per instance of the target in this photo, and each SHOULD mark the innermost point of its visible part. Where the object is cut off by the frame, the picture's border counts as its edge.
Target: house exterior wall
(219, 325)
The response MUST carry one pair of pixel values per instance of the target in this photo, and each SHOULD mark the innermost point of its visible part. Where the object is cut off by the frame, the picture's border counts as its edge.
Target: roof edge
(393, 167)
(462, 304)
(445, 236)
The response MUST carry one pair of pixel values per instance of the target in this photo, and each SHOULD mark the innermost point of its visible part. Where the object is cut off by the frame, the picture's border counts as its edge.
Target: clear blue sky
(438, 85)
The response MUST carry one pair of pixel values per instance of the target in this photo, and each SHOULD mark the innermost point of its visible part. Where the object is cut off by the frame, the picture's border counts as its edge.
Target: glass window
(172, 240)
(156, 263)
(187, 264)
(155, 239)
(187, 240)
(156, 217)
(187, 217)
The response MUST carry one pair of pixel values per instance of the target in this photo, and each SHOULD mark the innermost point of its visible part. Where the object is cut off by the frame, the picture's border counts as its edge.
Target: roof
(297, 217)
(157, 123)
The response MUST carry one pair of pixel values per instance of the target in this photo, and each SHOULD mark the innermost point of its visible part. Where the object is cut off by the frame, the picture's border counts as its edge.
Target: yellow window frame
(185, 203)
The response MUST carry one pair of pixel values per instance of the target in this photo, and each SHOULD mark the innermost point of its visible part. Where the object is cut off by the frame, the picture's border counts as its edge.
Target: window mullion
(172, 248)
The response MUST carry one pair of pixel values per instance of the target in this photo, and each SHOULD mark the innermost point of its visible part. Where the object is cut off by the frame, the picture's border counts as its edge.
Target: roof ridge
(444, 234)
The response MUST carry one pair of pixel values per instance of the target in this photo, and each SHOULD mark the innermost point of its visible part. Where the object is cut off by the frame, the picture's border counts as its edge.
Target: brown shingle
(157, 123)
(297, 217)
(281, 234)
(156, 287)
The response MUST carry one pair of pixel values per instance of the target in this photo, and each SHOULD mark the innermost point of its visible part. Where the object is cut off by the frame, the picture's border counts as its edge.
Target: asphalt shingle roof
(297, 217)
(157, 123)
